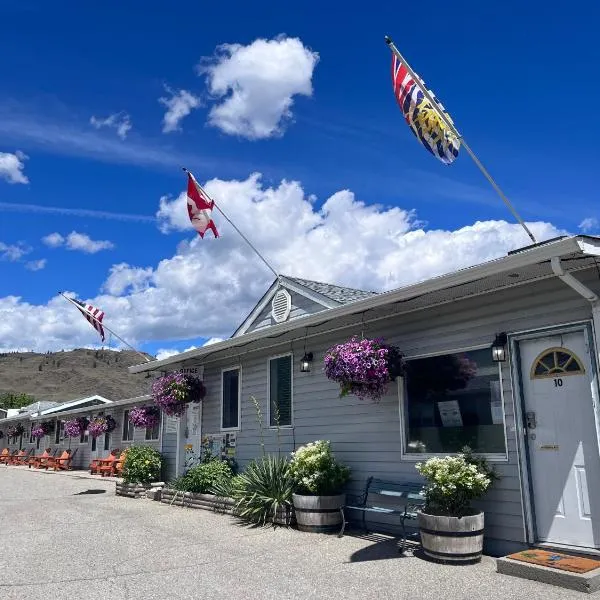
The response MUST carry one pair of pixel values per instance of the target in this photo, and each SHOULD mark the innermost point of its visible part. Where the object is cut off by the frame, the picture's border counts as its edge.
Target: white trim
(237, 368)
(281, 292)
(269, 359)
(535, 255)
(310, 294)
(75, 403)
(260, 306)
(495, 457)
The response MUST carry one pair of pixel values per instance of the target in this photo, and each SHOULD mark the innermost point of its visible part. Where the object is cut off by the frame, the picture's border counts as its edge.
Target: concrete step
(583, 582)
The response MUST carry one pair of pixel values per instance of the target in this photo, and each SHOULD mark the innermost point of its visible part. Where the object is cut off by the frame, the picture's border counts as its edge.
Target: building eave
(543, 252)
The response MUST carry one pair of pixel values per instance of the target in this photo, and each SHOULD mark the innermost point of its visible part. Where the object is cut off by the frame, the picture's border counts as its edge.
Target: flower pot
(452, 539)
(319, 514)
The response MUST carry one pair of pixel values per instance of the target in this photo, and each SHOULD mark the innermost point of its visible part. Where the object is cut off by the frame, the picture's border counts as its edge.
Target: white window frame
(237, 368)
(126, 421)
(159, 430)
(291, 425)
(497, 457)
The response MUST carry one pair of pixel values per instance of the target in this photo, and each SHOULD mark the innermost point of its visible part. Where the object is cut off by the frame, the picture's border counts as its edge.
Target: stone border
(131, 490)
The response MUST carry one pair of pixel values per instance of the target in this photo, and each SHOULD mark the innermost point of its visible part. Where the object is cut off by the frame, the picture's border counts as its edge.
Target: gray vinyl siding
(366, 436)
(301, 307)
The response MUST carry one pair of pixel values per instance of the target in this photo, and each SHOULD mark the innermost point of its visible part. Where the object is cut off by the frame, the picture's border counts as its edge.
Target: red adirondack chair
(63, 462)
(40, 462)
(98, 462)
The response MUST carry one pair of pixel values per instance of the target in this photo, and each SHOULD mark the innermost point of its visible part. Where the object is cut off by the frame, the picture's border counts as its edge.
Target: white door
(190, 437)
(561, 438)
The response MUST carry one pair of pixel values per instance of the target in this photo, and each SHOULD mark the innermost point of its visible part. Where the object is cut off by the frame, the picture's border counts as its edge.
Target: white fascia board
(505, 264)
(261, 305)
(74, 403)
(310, 294)
(93, 409)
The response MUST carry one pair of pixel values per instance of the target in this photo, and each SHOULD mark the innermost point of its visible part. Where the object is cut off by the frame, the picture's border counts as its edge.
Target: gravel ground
(61, 542)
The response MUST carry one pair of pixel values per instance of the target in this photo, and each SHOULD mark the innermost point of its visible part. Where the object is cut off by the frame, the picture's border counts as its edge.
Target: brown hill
(69, 375)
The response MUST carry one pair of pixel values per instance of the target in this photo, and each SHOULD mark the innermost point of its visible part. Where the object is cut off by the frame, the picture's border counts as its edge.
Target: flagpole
(234, 226)
(88, 313)
(452, 128)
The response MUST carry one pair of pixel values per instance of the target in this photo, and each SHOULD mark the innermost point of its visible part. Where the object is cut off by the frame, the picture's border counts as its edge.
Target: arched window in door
(556, 362)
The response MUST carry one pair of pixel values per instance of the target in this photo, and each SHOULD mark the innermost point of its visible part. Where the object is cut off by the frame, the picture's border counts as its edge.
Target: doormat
(554, 560)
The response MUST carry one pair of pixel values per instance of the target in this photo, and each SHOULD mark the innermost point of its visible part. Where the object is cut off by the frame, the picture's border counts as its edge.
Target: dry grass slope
(73, 374)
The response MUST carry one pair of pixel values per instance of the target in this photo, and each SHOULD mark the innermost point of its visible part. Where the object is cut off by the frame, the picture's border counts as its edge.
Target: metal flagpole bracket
(450, 125)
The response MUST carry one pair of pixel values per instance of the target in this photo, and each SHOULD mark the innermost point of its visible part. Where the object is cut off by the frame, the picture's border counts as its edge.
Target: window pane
(231, 388)
(152, 433)
(106, 441)
(280, 392)
(127, 427)
(454, 401)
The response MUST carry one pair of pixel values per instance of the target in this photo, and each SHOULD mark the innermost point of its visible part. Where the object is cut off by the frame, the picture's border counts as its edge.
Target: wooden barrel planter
(452, 539)
(201, 501)
(132, 490)
(319, 514)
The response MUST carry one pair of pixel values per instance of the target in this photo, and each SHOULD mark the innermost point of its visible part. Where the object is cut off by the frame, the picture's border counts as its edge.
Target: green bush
(263, 490)
(202, 478)
(315, 470)
(142, 465)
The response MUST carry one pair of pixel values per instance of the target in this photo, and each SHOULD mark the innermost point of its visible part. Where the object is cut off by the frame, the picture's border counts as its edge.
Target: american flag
(93, 315)
(423, 119)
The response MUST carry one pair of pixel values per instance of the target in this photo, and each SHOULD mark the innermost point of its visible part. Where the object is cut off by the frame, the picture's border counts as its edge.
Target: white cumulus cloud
(13, 252)
(36, 265)
(77, 241)
(589, 225)
(12, 166)
(207, 287)
(256, 85)
(179, 105)
(120, 122)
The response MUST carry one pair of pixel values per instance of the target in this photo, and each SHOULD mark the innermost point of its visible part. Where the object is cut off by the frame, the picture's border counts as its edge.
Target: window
(230, 399)
(127, 435)
(153, 433)
(107, 441)
(31, 440)
(556, 362)
(452, 401)
(280, 391)
(59, 431)
(84, 438)
(94, 444)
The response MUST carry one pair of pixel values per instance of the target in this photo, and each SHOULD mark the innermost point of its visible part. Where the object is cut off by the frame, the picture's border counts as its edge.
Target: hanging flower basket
(76, 427)
(15, 431)
(363, 367)
(144, 417)
(173, 391)
(101, 425)
(42, 429)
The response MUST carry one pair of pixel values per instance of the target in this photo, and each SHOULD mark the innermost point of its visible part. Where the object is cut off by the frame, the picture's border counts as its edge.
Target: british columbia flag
(423, 119)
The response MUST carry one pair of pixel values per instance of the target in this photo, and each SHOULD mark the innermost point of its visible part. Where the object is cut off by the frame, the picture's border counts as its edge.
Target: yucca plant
(263, 492)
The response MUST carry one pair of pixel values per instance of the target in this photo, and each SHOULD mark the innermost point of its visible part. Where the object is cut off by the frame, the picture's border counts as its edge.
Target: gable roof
(326, 295)
(522, 267)
(337, 293)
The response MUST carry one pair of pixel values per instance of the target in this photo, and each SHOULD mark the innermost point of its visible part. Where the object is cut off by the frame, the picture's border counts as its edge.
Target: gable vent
(281, 306)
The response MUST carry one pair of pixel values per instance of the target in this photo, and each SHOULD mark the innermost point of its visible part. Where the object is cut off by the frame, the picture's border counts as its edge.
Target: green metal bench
(381, 497)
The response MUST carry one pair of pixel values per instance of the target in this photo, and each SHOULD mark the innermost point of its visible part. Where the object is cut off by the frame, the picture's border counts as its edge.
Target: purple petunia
(173, 391)
(101, 425)
(76, 427)
(144, 416)
(363, 367)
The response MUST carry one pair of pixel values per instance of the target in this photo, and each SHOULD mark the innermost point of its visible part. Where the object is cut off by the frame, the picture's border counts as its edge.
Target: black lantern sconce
(305, 362)
(499, 347)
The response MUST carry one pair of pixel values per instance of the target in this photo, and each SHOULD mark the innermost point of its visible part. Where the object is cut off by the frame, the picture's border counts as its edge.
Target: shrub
(142, 465)
(453, 482)
(316, 471)
(263, 490)
(202, 478)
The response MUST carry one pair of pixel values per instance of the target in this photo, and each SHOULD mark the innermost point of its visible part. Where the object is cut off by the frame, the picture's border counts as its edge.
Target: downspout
(584, 291)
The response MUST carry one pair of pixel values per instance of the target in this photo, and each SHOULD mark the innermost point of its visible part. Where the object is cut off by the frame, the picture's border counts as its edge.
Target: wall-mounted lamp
(499, 347)
(305, 362)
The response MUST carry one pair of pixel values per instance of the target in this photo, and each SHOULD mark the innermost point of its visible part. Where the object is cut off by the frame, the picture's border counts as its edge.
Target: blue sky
(519, 82)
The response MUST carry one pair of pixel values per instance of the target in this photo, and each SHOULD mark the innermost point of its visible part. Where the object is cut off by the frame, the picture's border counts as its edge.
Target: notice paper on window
(450, 413)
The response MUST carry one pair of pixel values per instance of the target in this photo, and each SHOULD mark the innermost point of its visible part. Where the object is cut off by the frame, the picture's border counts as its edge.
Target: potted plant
(15, 431)
(363, 367)
(75, 428)
(173, 391)
(41, 430)
(144, 416)
(100, 425)
(319, 479)
(451, 529)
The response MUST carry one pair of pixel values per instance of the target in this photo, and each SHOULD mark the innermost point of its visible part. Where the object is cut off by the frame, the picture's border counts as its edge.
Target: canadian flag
(199, 208)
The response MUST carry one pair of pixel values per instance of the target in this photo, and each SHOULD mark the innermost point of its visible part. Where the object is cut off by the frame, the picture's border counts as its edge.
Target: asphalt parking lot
(67, 537)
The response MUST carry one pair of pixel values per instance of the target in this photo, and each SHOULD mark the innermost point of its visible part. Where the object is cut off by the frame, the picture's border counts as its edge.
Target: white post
(452, 128)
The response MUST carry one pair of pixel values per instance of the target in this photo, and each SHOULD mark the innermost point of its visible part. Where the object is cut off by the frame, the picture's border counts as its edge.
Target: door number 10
(558, 382)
